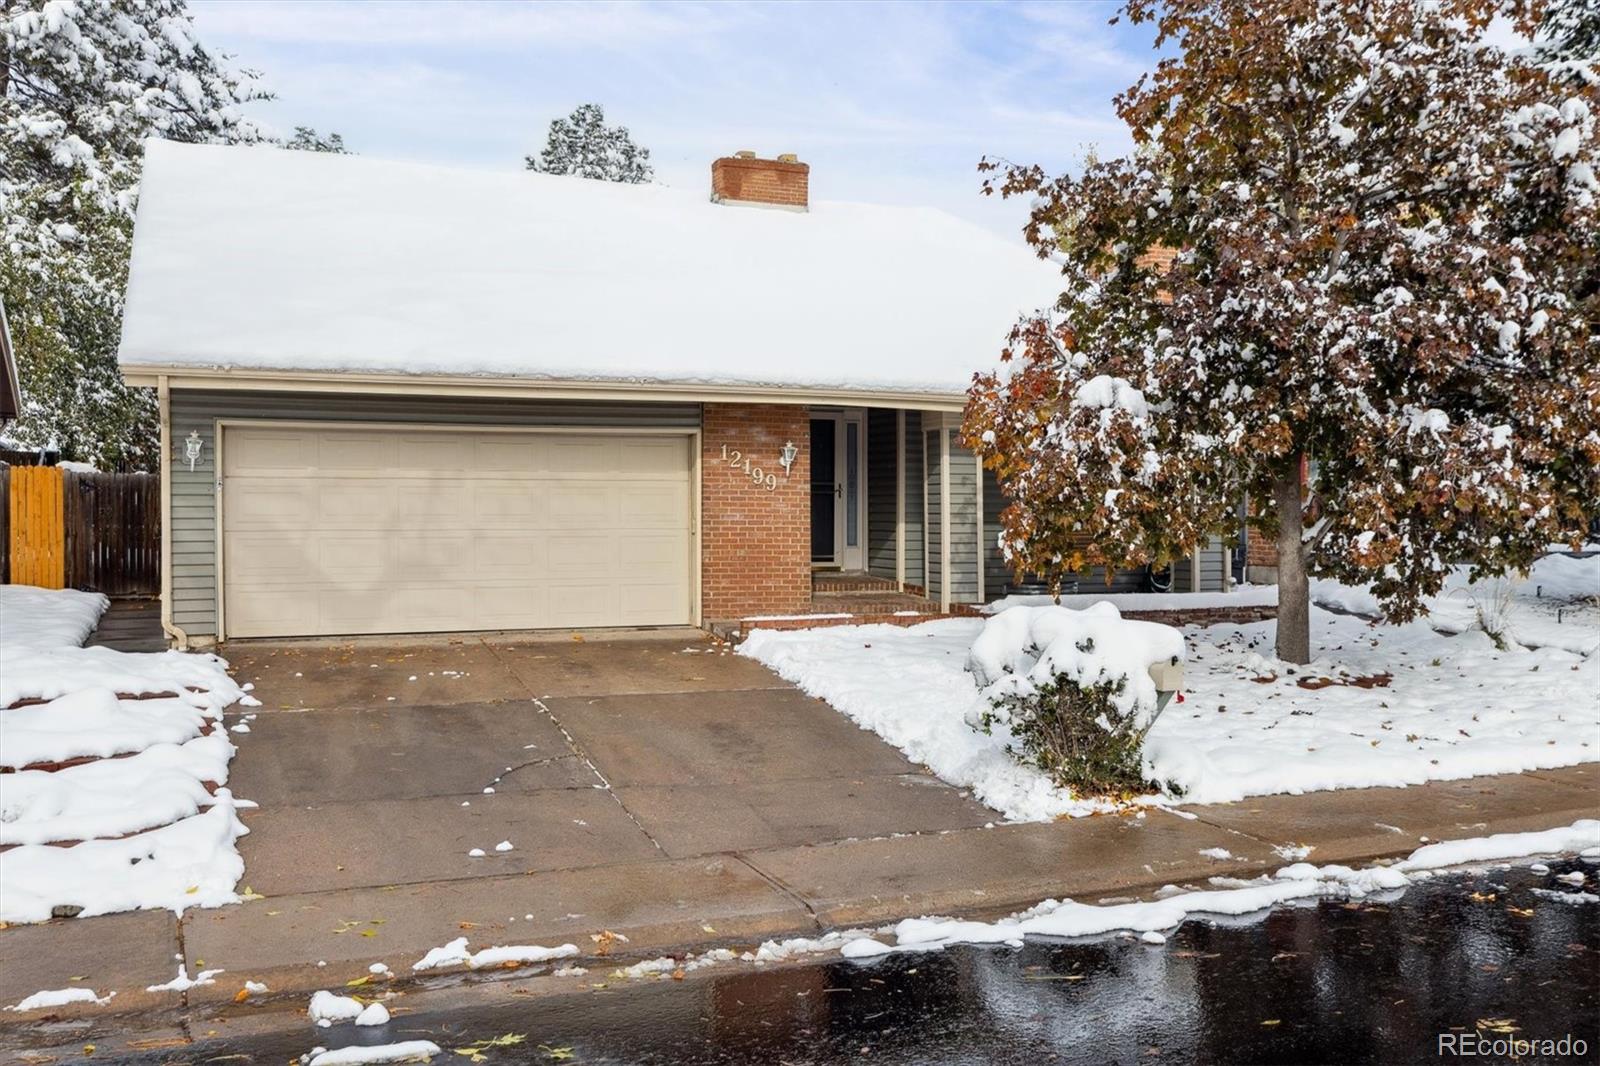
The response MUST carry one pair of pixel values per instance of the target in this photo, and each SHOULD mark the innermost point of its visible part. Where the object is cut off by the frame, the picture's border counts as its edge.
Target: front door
(824, 509)
(838, 478)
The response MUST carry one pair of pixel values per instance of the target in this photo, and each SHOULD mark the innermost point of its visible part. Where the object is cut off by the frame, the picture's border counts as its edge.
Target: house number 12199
(737, 459)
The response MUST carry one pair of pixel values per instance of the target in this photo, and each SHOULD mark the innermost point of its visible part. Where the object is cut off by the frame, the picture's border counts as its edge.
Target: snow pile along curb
(1302, 881)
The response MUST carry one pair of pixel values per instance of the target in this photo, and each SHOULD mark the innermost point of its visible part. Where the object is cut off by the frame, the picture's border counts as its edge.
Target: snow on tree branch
(1384, 231)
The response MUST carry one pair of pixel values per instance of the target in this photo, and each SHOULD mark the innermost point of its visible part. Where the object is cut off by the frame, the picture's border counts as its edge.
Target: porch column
(900, 499)
(944, 517)
(977, 490)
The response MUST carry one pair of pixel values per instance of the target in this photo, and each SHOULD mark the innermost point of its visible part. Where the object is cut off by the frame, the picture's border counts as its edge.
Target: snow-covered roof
(265, 259)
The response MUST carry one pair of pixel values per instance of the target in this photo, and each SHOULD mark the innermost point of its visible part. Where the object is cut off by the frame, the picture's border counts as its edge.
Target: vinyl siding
(881, 494)
(915, 572)
(1212, 559)
(964, 532)
(997, 573)
(194, 516)
(931, 495)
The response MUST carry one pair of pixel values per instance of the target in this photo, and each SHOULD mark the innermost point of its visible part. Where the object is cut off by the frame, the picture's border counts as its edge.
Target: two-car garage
(360, 529)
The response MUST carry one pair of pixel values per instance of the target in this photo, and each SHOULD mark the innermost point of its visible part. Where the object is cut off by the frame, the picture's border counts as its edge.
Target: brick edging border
(735, 630)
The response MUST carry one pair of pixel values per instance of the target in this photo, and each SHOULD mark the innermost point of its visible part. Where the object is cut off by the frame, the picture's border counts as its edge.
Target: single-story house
(399, 398)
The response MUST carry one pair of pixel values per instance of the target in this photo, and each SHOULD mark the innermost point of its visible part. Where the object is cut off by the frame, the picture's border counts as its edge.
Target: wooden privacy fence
(92, 531)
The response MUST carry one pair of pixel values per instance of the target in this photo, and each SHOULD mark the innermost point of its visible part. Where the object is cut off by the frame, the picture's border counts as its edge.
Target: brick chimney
(743, 179)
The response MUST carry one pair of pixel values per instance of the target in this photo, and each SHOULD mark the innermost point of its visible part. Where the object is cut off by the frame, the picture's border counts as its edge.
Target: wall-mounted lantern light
(191, 447)
(787, 456)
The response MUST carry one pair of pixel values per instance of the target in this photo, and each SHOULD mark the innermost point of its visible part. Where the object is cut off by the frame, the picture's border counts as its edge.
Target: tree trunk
(1294, 591)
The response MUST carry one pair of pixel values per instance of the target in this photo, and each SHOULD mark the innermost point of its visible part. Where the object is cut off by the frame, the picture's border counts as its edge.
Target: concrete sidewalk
(297, 942)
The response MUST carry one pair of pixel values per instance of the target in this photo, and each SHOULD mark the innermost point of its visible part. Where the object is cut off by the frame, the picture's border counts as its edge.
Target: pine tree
(1385, 232)
(82, 85)
(1569, 40)
(307, 139)
(584, 145)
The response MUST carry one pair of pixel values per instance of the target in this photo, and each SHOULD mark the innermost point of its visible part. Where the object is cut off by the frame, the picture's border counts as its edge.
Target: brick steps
(827, 581)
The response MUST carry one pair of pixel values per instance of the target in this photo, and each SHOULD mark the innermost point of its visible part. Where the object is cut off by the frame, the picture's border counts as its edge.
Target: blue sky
(889, 102)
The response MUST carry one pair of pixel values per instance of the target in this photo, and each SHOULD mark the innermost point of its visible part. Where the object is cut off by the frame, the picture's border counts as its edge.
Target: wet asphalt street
(1376, 981)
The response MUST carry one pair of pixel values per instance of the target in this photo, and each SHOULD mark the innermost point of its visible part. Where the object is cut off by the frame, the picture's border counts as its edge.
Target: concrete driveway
(382, 764)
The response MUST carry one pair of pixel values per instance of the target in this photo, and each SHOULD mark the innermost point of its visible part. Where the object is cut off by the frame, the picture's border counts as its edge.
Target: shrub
(1075, 734)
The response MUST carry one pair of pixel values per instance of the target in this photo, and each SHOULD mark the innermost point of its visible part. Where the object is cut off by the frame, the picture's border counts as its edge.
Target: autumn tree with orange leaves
(1387, 263)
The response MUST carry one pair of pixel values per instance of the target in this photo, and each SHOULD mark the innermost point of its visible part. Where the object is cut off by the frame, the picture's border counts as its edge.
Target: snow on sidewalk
(1300, 882)
(1453, 707)
(152, 834)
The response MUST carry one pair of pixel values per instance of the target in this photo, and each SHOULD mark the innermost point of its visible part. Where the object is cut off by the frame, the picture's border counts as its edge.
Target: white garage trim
(691, 436)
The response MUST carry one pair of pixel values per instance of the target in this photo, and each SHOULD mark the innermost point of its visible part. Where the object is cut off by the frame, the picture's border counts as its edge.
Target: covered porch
(905, 522)
(897, 517)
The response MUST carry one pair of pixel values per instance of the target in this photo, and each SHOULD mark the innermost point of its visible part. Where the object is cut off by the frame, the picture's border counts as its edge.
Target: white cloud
(888, 102)
(490, 26)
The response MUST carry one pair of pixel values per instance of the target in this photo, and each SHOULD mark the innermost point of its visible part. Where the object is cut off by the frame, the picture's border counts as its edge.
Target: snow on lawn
(91, 800)
(1556, 606)
(1455, 707)
(909, 686)
(33, 672)
(94, 722)
(190, 863)
(152, 834)
(47, 618)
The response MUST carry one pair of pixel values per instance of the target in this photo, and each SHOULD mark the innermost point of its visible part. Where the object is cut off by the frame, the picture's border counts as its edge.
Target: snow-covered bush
(1493, 603)
(1073, 691)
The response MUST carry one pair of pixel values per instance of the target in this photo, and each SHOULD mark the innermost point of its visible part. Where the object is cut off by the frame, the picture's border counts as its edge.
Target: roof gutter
(338, 381)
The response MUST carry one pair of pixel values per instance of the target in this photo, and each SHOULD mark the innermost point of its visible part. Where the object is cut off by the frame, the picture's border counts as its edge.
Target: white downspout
(164, 399)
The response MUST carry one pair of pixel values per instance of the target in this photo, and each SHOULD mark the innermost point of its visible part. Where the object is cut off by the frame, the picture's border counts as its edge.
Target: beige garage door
(335, 531)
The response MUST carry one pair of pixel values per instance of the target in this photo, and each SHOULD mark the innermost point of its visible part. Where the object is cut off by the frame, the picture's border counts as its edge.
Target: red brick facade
(755, 541)
(784, 181)
(1259, 551)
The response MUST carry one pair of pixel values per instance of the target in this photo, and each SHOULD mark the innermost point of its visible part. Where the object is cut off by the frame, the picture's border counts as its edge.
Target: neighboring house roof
(10, 386)
(264, 259)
